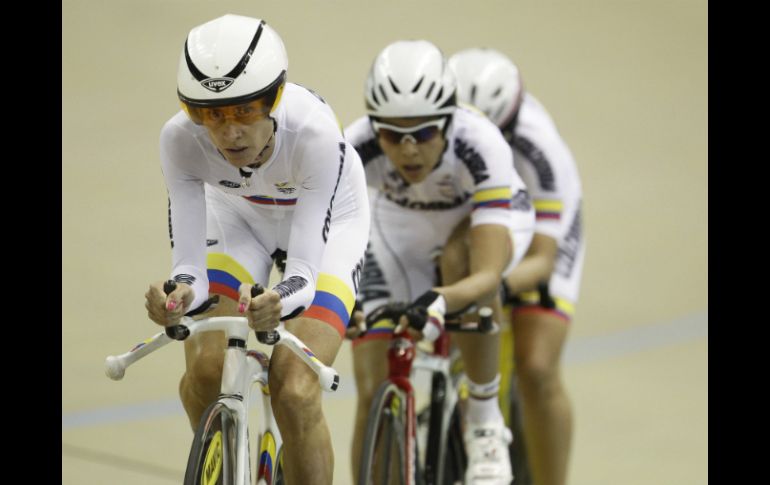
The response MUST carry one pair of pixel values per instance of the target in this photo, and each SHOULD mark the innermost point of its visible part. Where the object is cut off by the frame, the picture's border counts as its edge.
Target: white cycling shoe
(488, 460)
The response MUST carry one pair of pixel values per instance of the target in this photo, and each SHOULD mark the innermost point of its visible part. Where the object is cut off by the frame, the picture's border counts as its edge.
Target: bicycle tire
(456, 461)
(436, 443)
(386, 427)
(212, 454)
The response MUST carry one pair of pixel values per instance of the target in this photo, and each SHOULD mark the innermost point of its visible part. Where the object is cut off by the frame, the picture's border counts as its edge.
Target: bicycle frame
(242, 369)
(402, 361)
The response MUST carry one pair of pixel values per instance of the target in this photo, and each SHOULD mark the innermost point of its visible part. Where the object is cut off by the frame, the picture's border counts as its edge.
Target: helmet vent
(393, 85)
(473, 94)
(374, 96)
(430, 89)
(417, 86)
(440, 92)
(382, 92)
(497, 92)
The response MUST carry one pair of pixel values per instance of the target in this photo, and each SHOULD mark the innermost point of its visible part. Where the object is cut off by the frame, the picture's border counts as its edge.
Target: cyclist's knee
(296, 394)
(537, 373)
(204, 366)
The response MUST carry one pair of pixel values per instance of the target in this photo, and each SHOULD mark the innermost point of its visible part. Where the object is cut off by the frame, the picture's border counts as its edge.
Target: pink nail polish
(170, 306)
(241, 307)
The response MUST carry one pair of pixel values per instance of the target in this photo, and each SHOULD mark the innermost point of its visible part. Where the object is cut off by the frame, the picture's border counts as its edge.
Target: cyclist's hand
(357, 325)
(425, 314)
(168, 310)
(263, 311)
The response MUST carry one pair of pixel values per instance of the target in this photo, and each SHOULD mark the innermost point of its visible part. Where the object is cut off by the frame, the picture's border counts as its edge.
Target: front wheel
(212, 455)
(384, 454)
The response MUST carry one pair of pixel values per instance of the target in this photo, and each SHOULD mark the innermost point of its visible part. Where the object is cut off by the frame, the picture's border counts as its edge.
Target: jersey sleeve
(490, 164)
(319, 163)
(555, 187)
(179, 152)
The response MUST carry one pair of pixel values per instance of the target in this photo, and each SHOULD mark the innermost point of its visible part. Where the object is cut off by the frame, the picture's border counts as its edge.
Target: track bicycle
(220, 451)
(390, 451)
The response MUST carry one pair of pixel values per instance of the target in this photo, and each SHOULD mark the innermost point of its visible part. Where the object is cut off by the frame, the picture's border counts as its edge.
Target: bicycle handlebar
(116, 365)
(393, 311)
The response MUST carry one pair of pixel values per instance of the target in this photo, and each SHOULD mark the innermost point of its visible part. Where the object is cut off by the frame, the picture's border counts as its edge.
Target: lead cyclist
(257, 167)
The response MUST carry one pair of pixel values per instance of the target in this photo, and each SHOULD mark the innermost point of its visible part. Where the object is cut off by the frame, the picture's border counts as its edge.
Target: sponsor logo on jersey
(284, 188)
(446, 187)
(290, 286)
(539, 161)
(373, 285)
(521, 201)
(568, 249)
(430, 205)
(328, 219)
(185, 278)
(232, 185)
(471, 158)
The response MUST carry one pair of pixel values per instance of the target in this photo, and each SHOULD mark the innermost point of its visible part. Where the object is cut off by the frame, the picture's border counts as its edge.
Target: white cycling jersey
(546, 165)
(299, 201)
(411, 222)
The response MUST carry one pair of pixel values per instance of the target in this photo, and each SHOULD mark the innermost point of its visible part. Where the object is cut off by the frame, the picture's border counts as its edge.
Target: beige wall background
(626, 82)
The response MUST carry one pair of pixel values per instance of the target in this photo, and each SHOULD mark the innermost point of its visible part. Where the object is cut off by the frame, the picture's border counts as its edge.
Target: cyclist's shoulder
(181, 141)
(536, 123)
(303, 110)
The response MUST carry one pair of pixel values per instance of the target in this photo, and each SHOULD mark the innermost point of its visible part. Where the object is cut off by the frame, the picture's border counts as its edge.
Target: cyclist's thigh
(236, 252)
(370, 364)
(541, 319)
(521, 232)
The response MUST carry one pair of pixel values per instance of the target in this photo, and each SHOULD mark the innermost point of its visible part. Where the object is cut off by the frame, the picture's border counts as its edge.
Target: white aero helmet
(488, 80)
(410, 78)
(231, 60)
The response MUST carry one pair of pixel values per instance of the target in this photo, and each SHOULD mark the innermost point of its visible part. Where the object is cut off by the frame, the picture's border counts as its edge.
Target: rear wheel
(456, 460)
(384, 455)
(212, 455)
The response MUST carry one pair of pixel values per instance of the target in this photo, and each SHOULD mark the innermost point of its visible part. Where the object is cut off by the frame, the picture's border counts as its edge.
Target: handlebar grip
(270, 337)
(485, 320)
(169, 286)
(176, 332)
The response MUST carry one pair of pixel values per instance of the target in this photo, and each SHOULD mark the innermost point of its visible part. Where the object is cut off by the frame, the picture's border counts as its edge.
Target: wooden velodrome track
(626, 82)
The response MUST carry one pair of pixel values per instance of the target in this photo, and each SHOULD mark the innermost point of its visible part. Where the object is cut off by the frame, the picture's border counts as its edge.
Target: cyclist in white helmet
(257, 168)
(429, 164)
(544, 286)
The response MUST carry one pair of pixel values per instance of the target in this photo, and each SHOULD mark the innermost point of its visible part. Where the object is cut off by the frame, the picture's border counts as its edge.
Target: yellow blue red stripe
(333, 302)
(530, 301)
(548, 209)
(266, 457)
(226, 275)
(495, 197)
(265, 200)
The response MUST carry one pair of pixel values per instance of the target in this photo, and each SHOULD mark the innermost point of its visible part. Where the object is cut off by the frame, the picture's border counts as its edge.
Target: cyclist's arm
(490, 251)
(320, 166)
(181, 157)
(536, 266)
(491, 248)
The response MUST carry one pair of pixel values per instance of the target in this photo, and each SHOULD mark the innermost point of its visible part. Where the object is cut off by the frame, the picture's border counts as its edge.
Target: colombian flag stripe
(495, 193)
(265, 200)
(548, 209)
(226, 275)
(333, 302)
